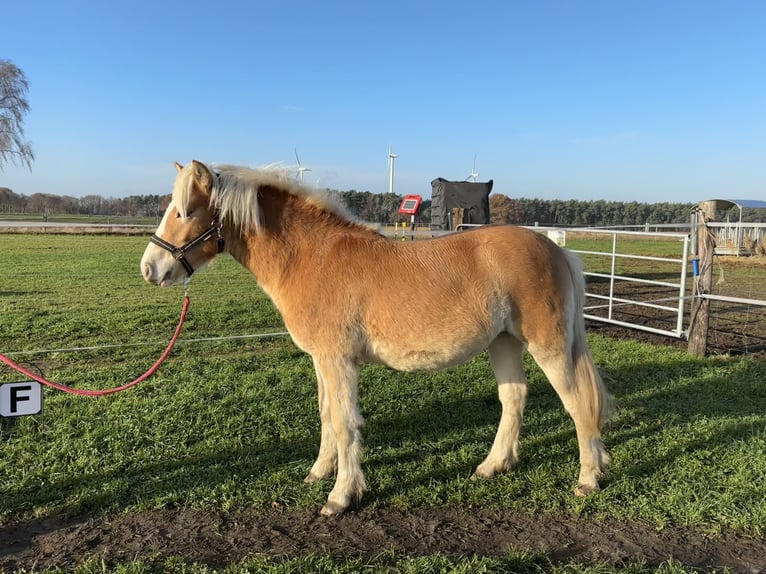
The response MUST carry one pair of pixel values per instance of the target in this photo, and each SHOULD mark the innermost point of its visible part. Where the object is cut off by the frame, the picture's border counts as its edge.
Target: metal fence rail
(671, 305)
(727, 299)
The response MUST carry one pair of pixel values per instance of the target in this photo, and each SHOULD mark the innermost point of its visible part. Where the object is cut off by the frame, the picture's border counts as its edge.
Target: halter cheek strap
(179, 253)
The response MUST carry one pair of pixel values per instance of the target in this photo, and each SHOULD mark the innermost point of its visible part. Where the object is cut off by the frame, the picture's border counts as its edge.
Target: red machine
(410, 204)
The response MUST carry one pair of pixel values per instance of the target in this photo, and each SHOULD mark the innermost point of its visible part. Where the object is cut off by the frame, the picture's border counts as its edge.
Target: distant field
(230, 427)
(81, 219)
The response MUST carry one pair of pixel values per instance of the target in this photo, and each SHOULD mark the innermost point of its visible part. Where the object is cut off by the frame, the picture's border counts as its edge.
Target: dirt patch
(218, 539)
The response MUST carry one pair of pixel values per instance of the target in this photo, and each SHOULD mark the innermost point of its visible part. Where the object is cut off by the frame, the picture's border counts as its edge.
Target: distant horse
(340, 288)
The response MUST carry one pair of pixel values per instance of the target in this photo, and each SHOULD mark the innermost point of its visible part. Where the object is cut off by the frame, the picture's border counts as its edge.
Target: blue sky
(650, 100)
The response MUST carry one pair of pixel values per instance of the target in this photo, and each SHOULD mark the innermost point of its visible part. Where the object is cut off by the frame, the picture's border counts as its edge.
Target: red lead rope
(87, 393)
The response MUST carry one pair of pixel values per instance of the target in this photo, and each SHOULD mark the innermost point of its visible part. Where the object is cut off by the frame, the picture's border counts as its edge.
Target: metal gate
(634, 279)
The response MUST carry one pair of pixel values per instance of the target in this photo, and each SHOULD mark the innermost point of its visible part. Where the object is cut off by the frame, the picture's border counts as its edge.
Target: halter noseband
(179, 253)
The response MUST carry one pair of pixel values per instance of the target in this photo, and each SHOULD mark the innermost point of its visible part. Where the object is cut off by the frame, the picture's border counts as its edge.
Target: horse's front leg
(340, 378)
(324, 466)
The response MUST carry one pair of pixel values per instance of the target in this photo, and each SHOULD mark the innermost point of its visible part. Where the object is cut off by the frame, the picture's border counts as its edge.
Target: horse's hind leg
(505, 356)
(340, 379)
(324, 465)
(580, 389)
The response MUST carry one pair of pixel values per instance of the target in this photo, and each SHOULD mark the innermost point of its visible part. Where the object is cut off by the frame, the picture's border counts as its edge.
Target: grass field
(232, 424)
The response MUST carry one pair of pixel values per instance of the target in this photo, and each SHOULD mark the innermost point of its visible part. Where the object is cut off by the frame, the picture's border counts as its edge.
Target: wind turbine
(474, 173)
(391, 158)
(301, 169)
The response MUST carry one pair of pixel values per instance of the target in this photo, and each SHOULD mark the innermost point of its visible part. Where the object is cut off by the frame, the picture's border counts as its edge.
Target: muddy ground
(217, 539)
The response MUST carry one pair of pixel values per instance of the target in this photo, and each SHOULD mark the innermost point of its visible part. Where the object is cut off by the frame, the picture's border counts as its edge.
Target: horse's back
(503, 259)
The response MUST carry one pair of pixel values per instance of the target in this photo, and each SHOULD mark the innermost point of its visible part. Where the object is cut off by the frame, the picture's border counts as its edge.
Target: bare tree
(13, 107)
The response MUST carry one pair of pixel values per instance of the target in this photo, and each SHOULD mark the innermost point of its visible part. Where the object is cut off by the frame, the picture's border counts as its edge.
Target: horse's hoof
(332, 509)
(585, 490)
(310, 477)
(490, 470)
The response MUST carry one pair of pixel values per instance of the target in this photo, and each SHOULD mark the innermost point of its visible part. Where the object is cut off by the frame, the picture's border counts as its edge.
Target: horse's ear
(202, 175)
(179, 167)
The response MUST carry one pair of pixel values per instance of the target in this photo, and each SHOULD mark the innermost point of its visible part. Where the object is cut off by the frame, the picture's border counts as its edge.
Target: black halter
(179, 253)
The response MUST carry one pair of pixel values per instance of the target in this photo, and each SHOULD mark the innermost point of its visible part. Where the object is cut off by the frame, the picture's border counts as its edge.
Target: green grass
(659, 246)
(666, 247)
(728, 272)
(233, 424)
(515, 562)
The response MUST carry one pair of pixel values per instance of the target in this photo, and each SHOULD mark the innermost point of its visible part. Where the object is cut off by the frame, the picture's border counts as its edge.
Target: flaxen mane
(235, 194)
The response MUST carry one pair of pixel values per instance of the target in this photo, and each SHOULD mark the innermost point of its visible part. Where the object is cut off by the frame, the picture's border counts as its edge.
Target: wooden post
(457, 217)
(703, 283)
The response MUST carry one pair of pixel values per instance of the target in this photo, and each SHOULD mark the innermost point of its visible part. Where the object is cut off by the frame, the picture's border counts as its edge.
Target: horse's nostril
(146, 271)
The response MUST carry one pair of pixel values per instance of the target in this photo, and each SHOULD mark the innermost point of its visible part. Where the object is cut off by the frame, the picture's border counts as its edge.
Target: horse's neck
(290, 233)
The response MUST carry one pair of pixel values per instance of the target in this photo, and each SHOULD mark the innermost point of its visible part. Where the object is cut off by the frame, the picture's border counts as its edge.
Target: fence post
(458, 213)
(703, 283)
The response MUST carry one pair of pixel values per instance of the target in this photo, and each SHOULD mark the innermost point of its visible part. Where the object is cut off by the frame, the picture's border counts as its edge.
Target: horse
(337, 283)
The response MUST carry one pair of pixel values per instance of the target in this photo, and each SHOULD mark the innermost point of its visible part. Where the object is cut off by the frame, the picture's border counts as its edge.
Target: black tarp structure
(472, 197)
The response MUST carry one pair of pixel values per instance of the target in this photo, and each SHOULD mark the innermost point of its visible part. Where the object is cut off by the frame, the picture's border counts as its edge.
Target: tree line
(382, 208)
(527, 211)
(599, 213)
(49, 204)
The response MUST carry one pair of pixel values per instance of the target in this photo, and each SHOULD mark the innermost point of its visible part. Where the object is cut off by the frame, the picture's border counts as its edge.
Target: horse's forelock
(182, 190)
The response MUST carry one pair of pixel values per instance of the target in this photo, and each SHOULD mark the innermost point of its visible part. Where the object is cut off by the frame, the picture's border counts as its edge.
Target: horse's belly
(404, 357)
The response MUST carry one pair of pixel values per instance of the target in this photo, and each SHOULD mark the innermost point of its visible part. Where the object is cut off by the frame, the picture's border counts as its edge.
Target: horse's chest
(321, 331)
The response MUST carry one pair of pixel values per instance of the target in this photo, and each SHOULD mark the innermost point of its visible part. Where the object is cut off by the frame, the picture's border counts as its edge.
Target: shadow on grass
(658, 397)
(162, 480)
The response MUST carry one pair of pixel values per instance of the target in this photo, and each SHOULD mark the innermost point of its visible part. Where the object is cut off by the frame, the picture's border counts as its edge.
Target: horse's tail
(589, 387)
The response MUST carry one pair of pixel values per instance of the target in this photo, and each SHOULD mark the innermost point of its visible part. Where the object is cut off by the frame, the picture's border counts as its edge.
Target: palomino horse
(338, 283)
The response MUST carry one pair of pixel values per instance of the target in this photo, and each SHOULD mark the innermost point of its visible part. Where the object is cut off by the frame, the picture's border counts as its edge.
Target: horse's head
(189, 235)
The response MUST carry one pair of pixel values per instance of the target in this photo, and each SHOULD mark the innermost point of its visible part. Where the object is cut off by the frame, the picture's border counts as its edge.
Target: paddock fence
(652, 281)
(730, 291)
(634, 279)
